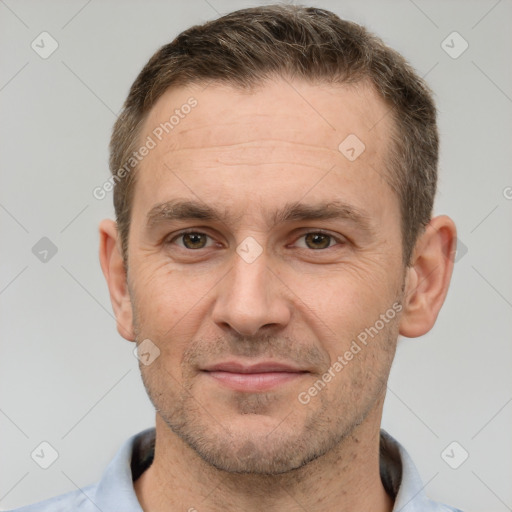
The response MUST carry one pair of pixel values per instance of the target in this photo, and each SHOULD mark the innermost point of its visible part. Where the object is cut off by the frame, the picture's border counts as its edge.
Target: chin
(253, 454)
(251, 443)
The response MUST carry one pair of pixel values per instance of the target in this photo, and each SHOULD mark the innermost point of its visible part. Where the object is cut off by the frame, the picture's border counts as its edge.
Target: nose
(251, 297)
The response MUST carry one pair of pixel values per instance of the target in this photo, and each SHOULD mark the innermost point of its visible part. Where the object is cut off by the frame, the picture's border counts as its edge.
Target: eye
(314, 240)
(191, 240)
(318, 240)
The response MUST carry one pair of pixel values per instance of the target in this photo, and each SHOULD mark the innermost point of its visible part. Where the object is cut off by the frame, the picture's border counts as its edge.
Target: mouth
(258, 377)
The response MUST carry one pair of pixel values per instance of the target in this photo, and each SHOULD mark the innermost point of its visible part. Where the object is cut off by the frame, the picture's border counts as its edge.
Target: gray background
(68, 378)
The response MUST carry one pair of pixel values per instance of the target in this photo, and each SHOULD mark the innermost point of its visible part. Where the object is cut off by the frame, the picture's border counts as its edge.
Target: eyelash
(339, 240)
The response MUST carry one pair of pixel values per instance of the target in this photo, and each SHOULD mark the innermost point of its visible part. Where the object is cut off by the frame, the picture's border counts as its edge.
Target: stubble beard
(302, 434)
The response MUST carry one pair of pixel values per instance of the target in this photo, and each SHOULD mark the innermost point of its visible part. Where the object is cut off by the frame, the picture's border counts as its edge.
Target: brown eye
(191, 240)
(194, 240)
(318, 240)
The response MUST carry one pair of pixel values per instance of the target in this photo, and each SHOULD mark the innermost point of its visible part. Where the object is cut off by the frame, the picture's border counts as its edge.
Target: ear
(428, 276)
(112, 264)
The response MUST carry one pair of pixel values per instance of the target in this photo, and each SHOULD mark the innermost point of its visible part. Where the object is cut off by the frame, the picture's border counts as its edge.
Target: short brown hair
(247, 46)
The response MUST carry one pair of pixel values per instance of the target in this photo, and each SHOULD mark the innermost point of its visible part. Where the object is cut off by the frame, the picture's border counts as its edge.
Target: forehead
(319, 115)
(230, 145)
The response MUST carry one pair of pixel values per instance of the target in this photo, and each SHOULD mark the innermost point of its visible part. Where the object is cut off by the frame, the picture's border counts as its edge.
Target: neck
(345, 479)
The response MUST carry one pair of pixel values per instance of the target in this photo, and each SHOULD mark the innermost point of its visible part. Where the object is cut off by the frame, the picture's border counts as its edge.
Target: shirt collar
(401, 478)
(115, 490)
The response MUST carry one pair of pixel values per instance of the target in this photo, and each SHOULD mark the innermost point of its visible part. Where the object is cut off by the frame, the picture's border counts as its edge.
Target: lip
(261, 376)
(261, 367)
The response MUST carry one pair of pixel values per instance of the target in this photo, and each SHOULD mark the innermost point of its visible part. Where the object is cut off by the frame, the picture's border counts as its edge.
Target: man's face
(251, 309)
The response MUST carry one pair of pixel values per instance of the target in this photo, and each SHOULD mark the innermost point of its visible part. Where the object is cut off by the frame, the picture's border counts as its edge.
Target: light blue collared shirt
(115, 492)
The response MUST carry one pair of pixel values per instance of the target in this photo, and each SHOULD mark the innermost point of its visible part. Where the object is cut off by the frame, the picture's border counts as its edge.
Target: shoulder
(114, 490)
(80, 500)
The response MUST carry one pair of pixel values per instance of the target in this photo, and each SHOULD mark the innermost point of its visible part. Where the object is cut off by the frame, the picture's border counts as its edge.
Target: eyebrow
(186, 209)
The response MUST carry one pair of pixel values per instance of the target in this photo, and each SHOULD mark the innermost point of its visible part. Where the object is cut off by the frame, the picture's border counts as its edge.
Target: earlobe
(113, 268)
(428, 277)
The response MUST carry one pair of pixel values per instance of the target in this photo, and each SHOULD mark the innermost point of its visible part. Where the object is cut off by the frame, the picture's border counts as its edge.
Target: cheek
(347, 305)
(348, 295)
(169, 305)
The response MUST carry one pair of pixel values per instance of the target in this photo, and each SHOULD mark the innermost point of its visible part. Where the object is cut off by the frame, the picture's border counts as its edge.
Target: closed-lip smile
(253, 377)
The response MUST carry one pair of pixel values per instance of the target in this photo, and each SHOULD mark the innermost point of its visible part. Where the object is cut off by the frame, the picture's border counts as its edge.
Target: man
(274, 175)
